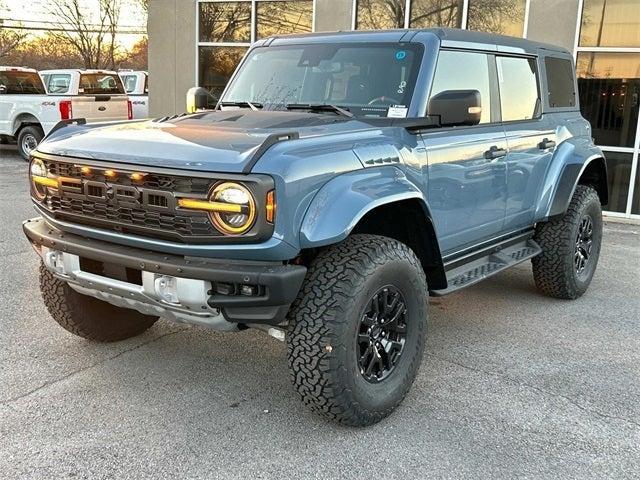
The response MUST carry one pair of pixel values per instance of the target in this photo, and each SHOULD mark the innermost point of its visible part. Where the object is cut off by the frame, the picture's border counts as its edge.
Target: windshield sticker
(401, 55)
(397, 111)
(401, 87)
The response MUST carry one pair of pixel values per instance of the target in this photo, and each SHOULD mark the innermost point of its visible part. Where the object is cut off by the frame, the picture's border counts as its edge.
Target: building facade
(199, 42)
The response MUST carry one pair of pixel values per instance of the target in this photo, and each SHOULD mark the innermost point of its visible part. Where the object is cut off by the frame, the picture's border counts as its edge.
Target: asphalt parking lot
(513, 384)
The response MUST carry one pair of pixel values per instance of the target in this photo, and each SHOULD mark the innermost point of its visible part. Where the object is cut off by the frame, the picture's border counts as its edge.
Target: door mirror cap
(456, 107)
(3, 89)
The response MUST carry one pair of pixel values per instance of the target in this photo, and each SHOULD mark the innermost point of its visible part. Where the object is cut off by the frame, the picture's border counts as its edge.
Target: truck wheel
(357, 329)
(570, 247)
(28, 139)
(88, 317)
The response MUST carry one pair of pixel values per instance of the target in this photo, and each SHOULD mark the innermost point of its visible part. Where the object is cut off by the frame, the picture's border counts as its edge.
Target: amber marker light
(209, 206)
(85, 170)
(47, 182)
(137, 177)
(110, 173)
(270, 207)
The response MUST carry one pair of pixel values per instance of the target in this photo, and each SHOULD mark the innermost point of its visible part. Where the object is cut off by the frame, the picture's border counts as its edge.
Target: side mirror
(199, 98)
(3, 89)
(456, 107)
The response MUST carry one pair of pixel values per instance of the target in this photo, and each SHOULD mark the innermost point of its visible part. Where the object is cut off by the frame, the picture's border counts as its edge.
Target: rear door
(101, 97)
(467, 169)
(530, 137)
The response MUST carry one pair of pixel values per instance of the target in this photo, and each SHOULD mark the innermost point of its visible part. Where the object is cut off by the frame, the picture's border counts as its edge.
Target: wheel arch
(379, 201)
(22, 120)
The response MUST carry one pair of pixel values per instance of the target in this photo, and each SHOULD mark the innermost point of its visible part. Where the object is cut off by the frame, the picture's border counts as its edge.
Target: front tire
(88, 317)
(28, 139)
(570, 247)
(357, 329)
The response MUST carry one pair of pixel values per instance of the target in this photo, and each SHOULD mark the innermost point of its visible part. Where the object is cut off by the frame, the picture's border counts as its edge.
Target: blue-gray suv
(340, 180)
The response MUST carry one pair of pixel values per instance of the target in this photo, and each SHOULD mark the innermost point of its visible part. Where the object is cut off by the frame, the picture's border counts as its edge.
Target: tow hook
(275, 332)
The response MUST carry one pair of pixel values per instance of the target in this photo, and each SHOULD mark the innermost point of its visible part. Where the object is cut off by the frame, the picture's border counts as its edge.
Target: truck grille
(145, 207)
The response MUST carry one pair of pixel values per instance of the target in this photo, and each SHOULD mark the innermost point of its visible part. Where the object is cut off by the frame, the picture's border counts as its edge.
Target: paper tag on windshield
(397, 111)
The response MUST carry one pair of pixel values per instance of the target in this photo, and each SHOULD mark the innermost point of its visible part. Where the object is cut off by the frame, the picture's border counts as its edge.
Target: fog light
(248, 290)
(167, 288)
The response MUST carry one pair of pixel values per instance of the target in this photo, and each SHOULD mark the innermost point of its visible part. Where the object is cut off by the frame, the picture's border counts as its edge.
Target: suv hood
(209, 141)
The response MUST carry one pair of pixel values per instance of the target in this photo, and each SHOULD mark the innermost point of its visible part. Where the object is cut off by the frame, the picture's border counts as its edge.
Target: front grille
(145, 207)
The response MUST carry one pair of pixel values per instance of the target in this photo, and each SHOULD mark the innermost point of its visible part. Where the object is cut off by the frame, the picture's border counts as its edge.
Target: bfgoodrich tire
(357, 329)
(88, 317)
(570, 247)
(28, 139)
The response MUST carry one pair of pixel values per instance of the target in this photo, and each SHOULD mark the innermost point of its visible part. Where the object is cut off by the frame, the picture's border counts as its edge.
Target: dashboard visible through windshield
(372, 79)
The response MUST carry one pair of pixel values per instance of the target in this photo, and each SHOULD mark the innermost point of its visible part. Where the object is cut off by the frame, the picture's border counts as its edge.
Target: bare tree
(10, 39)
(93, 37)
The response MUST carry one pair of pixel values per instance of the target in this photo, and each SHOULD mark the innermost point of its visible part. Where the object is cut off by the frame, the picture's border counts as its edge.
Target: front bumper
(196, 298)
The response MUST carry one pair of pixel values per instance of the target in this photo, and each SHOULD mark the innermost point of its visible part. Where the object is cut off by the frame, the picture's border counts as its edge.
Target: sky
(34, 13)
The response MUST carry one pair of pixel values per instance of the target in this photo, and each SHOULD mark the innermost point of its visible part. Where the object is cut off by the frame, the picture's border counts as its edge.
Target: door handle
(494, 152)
(546, 143)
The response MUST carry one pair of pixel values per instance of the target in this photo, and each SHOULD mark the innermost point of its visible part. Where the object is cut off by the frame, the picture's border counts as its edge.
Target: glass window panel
(635, 204)
(518, 88)
(609, 89)
(562, 92)
(225, 22)
(273, 18)
(379, 14)
(464, 71)
(610, 23)
(216, 65)
(505, 17)
(618, 176)
(436, 13)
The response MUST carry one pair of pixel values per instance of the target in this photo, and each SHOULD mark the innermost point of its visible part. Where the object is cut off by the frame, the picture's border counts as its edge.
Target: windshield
(21, 83)
(367, 79)
(100, 84)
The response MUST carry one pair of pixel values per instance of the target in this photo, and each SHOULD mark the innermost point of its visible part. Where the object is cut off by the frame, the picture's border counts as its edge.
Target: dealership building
(199, 42)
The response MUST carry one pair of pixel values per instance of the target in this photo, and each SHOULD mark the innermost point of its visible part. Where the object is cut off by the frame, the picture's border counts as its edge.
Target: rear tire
(570, 247)
(88, 317)
(339, 319)
(28, 139)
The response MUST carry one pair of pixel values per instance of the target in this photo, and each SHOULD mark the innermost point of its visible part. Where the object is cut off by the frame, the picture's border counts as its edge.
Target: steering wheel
(386, 100)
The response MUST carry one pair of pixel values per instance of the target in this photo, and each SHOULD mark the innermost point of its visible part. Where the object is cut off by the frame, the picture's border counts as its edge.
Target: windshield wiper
(253, 106)
(319, 108)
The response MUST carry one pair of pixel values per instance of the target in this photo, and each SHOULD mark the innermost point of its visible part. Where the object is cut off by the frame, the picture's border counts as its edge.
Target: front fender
(342, 202)
(570, 160)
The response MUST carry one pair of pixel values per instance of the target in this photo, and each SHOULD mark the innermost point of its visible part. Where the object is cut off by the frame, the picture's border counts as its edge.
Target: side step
(467, 274)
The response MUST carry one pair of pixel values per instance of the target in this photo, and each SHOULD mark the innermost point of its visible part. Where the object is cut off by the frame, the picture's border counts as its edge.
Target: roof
(17, 69)
(78, 70)
(452, 37)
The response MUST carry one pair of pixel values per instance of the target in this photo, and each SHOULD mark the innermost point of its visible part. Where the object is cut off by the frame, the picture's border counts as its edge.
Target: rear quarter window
(560, 82)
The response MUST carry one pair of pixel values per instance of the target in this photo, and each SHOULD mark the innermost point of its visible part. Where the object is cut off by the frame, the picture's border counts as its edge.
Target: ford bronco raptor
(341, 179)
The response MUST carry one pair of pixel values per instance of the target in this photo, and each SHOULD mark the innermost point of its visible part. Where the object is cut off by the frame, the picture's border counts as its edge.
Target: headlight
(40, 179)
(236, 210)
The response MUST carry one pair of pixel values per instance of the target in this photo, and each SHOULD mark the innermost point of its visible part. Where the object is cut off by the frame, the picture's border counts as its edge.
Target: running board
(467, 274)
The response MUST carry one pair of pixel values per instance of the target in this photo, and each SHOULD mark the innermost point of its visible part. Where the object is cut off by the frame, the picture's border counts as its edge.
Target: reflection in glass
(610, 23)
(275, 18)
(464, 71)
(216, 64)
(225, 22)
(635, 204)
(618, 176)
(505, 17)
(518, 88)
(379, 14)
(609, 88)
(436, 13)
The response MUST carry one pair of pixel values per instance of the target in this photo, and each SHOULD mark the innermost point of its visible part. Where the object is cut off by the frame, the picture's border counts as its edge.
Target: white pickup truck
(28, 111)
(136, 84)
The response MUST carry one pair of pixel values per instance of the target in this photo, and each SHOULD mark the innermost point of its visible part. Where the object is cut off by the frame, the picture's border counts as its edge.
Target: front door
(467, 165)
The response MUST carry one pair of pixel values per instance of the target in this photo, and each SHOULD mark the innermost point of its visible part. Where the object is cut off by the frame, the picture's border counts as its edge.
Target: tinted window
(503, 17)
(100, 84)
(58, 82)
(216, 64)
(366, 78)
(436, 13)
(518, 88)
(464, 71)
(562, 92)
(379, 14)
(225, 22)
(21, 83)
(278, 18)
